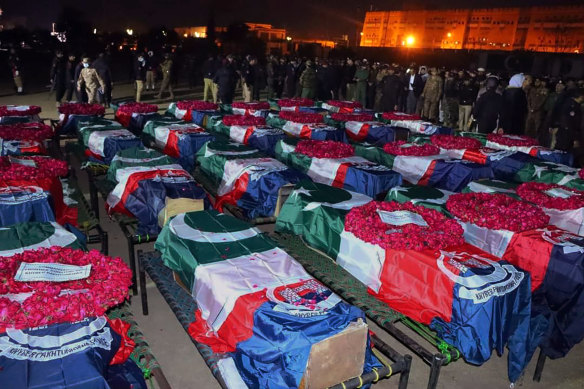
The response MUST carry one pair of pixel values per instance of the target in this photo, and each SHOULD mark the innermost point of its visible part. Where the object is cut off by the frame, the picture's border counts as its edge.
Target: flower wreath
(12, 110)
(496, 211)
(243, 120)
(538, 194)
(400, 116)
(38, 303)
(455, 142)
(344, 104)
(16, 168)
(301, 117)
(81, 109)
(296, 102)
(137, 108)
(26, 131)
(196, 105)
(324, 149)
(401, 147)
(256, 105)
(512, 140)
(352, 117)
(365, 222)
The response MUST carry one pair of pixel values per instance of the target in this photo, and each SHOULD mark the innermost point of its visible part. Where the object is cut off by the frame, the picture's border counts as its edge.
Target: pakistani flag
(543, 153)
(90, 354)
(245, 178)
(103, 143)
(96, 122)
(199, 117)
(21, 147)
(546, 172)
(421, 127)
(432, 198)
(178, 140)
(17, 238)
(438, 171)
(474, 301)
(136, 156)
(244, 287)
(139, 120)
(141, 192)
(14, 114)
(263, 138)
(352, 173)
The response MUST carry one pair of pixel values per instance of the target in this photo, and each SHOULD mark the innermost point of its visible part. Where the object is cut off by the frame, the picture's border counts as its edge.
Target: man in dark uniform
(569, 134)
(58, 75)
(103, 69)
(487, 110)
(326, 81)
(226, 78)
(70, 84)
(391, 91)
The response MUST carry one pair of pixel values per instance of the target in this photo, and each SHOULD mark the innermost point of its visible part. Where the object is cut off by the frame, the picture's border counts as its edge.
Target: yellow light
(95, 31)
(129, 31)
(361, 33)
(410, 40)
(449, 35)
(288, 38)
(185, 35)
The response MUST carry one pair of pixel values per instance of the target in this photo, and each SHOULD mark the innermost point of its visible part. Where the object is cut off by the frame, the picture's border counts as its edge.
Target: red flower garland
(455, 142)
(400, 116)
(243, 120)
(365, 223)
(496, 211)
(81, 109)
(512, 140)
(535, 193)
(296, 102)
(324, 149)
(344, 104)
(45, 167)
(401, 147)
(352, 117)
(301, 117)
(581, 174)
(58, 302)
(26, 131)
(196, 105)
(10, 110)
(255, 105)
(137, 108)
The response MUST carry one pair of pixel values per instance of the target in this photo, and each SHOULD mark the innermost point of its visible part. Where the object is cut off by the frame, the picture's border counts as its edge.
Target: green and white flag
(550, 173)
(136, 156)
(18, 238)
(317, 213)
(213, 156)
(428, 197)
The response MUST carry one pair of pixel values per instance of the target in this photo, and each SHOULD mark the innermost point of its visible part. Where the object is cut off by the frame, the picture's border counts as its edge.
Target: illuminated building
(549, 29)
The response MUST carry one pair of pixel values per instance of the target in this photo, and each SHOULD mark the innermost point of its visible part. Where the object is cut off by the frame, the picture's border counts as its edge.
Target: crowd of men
(466, 100)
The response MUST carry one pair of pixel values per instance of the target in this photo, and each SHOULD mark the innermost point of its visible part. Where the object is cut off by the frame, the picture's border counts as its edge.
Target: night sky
(302, 18)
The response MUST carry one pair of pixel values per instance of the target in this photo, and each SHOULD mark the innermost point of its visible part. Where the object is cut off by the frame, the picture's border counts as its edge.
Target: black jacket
(467, 94)
(225, 77)
(570, 125)
(140, 70)
(210, 67)
(487, 111)
(391, 92)
(514, 111)
(58, 70)
(417, 85)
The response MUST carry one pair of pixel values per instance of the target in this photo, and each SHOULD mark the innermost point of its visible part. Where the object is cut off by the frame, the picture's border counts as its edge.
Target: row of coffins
(54, 294)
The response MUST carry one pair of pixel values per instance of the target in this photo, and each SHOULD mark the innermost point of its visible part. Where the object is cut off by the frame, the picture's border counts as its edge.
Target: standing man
(70, 77)
(348, 80)
(308, 81)
(291, 78)
(467, 95)
(391, 87)
(280, 78)
(569, 134)
(271, 70)
(414, 88)
(92, 82)
(58, 76)
(361, 78)
(166, 69)
(209, 69)
(103, 69)
(259, 79)
(151, 67)
(81, 95)
(487, 110)
(14, 63)
(536, 98)
(431, 94)
(450, 100)
(140, 70)
(226, 79)
(247, 78)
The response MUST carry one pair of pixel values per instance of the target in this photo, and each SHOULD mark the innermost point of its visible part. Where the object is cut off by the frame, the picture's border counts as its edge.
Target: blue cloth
(265, 143)
(17, 206)
(277, 353)
(70, 126)
(113, 144)
(139, 120)
(188, 145)
(476, 329)
(456, 175)
(370, 181)
(198, 117)
(504, 169)
(337, 135)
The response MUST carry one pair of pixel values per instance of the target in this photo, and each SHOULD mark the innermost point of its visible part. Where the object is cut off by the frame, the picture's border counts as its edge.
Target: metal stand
(539, 366)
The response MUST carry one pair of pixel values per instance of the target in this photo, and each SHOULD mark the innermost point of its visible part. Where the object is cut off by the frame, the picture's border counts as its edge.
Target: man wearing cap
(414, 87)
(90, 79)
(308, 81)
(536, 97)
(487, 110)
(361, 77)
(166, 68)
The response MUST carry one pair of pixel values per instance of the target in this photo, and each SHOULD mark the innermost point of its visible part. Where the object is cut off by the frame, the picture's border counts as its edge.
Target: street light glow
(410, 40)
(129, 31)
(449, 35)
(288, 38)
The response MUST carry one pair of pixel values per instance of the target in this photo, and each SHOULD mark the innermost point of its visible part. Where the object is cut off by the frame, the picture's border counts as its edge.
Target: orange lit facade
(547, 29)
